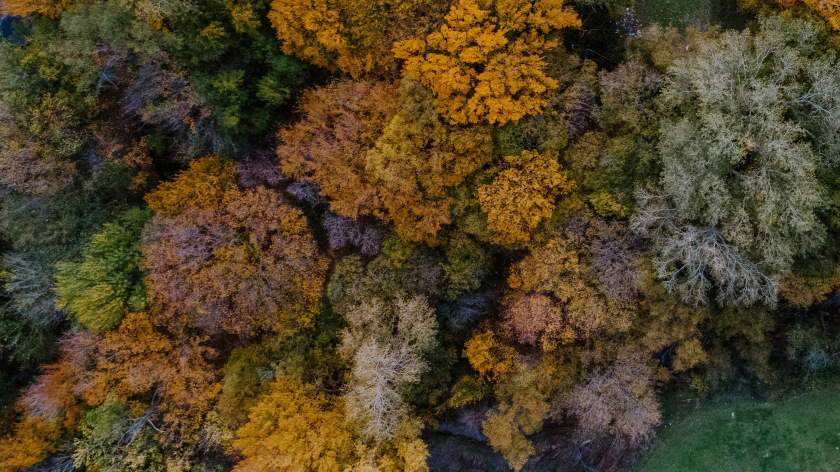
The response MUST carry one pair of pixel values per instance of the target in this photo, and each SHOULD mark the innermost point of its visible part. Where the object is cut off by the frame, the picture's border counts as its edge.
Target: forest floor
(797, 433)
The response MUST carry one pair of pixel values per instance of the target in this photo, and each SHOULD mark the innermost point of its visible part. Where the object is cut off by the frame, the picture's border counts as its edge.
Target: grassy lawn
(683, 13)
(797, 434)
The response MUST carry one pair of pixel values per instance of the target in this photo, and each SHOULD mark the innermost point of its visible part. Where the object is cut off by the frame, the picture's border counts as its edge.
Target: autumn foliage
(828, 9)
(375, 149)
(255, 244)
(485, 63)
(351, 36)
(406, 235)
(48, 8)
(522, 194)
(294, 429)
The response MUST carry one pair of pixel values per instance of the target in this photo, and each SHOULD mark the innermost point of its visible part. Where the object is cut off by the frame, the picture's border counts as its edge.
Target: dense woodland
(404, 235)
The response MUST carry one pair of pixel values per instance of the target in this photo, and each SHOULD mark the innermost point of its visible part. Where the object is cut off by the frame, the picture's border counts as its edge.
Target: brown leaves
(327, 146)
(371, 157)
(249, 265)
(556, 299)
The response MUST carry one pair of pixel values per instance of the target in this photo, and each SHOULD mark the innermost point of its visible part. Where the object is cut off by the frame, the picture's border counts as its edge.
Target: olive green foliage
(97, 290)
(114, 440)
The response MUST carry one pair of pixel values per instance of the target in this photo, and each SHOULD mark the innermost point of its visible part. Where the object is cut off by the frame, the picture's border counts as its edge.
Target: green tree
(97, 290)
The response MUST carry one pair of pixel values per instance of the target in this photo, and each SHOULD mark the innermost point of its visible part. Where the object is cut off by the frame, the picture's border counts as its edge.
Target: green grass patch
(684, 13)
(800, 433)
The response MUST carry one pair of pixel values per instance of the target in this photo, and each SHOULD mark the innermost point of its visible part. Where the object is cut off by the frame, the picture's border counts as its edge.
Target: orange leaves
(374, 151)
(327, 146)
(311, 31)
(137, 359)
(485, 64)
(352, 36)
(34, 440)
(201, 186)
(417, 159)
(50, 8)
(828, 9)
(522, 195)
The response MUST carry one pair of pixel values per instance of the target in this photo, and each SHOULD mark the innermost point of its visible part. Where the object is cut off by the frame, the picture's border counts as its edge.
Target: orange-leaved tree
(485, 64)
(294, 428)
(327, 146)
(140, 359)
(828, 9)
(418, 158)
(48, 410)
(49, 8)
(376, 150)
(202, 186)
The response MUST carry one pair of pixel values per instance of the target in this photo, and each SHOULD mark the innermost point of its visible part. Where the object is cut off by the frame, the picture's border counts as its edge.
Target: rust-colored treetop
(233, 260)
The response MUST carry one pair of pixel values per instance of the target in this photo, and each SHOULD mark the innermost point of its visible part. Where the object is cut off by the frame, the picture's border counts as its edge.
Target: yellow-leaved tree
(522, 195)
(50, 8)
(294, 428)
(828, 9)
(485, 64)
(353, 36)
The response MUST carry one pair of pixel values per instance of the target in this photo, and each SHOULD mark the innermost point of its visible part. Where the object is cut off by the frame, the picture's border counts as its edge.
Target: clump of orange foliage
(50, 8)
(485, 63)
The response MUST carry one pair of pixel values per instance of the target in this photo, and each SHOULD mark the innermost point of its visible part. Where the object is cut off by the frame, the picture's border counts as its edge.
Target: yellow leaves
(294, 428)
(689, 354)
(488, 355)
(476, 71)
(805, 291)
(345, 35)
(214, 33)
(413, 452)
(245, 20)
(309, 30)
(522, 195)
(503, 434)
(202, 185)
(34, 440)
(828, 9)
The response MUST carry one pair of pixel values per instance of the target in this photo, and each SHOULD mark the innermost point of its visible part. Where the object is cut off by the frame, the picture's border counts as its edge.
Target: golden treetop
(202, 185)
(485, 63)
